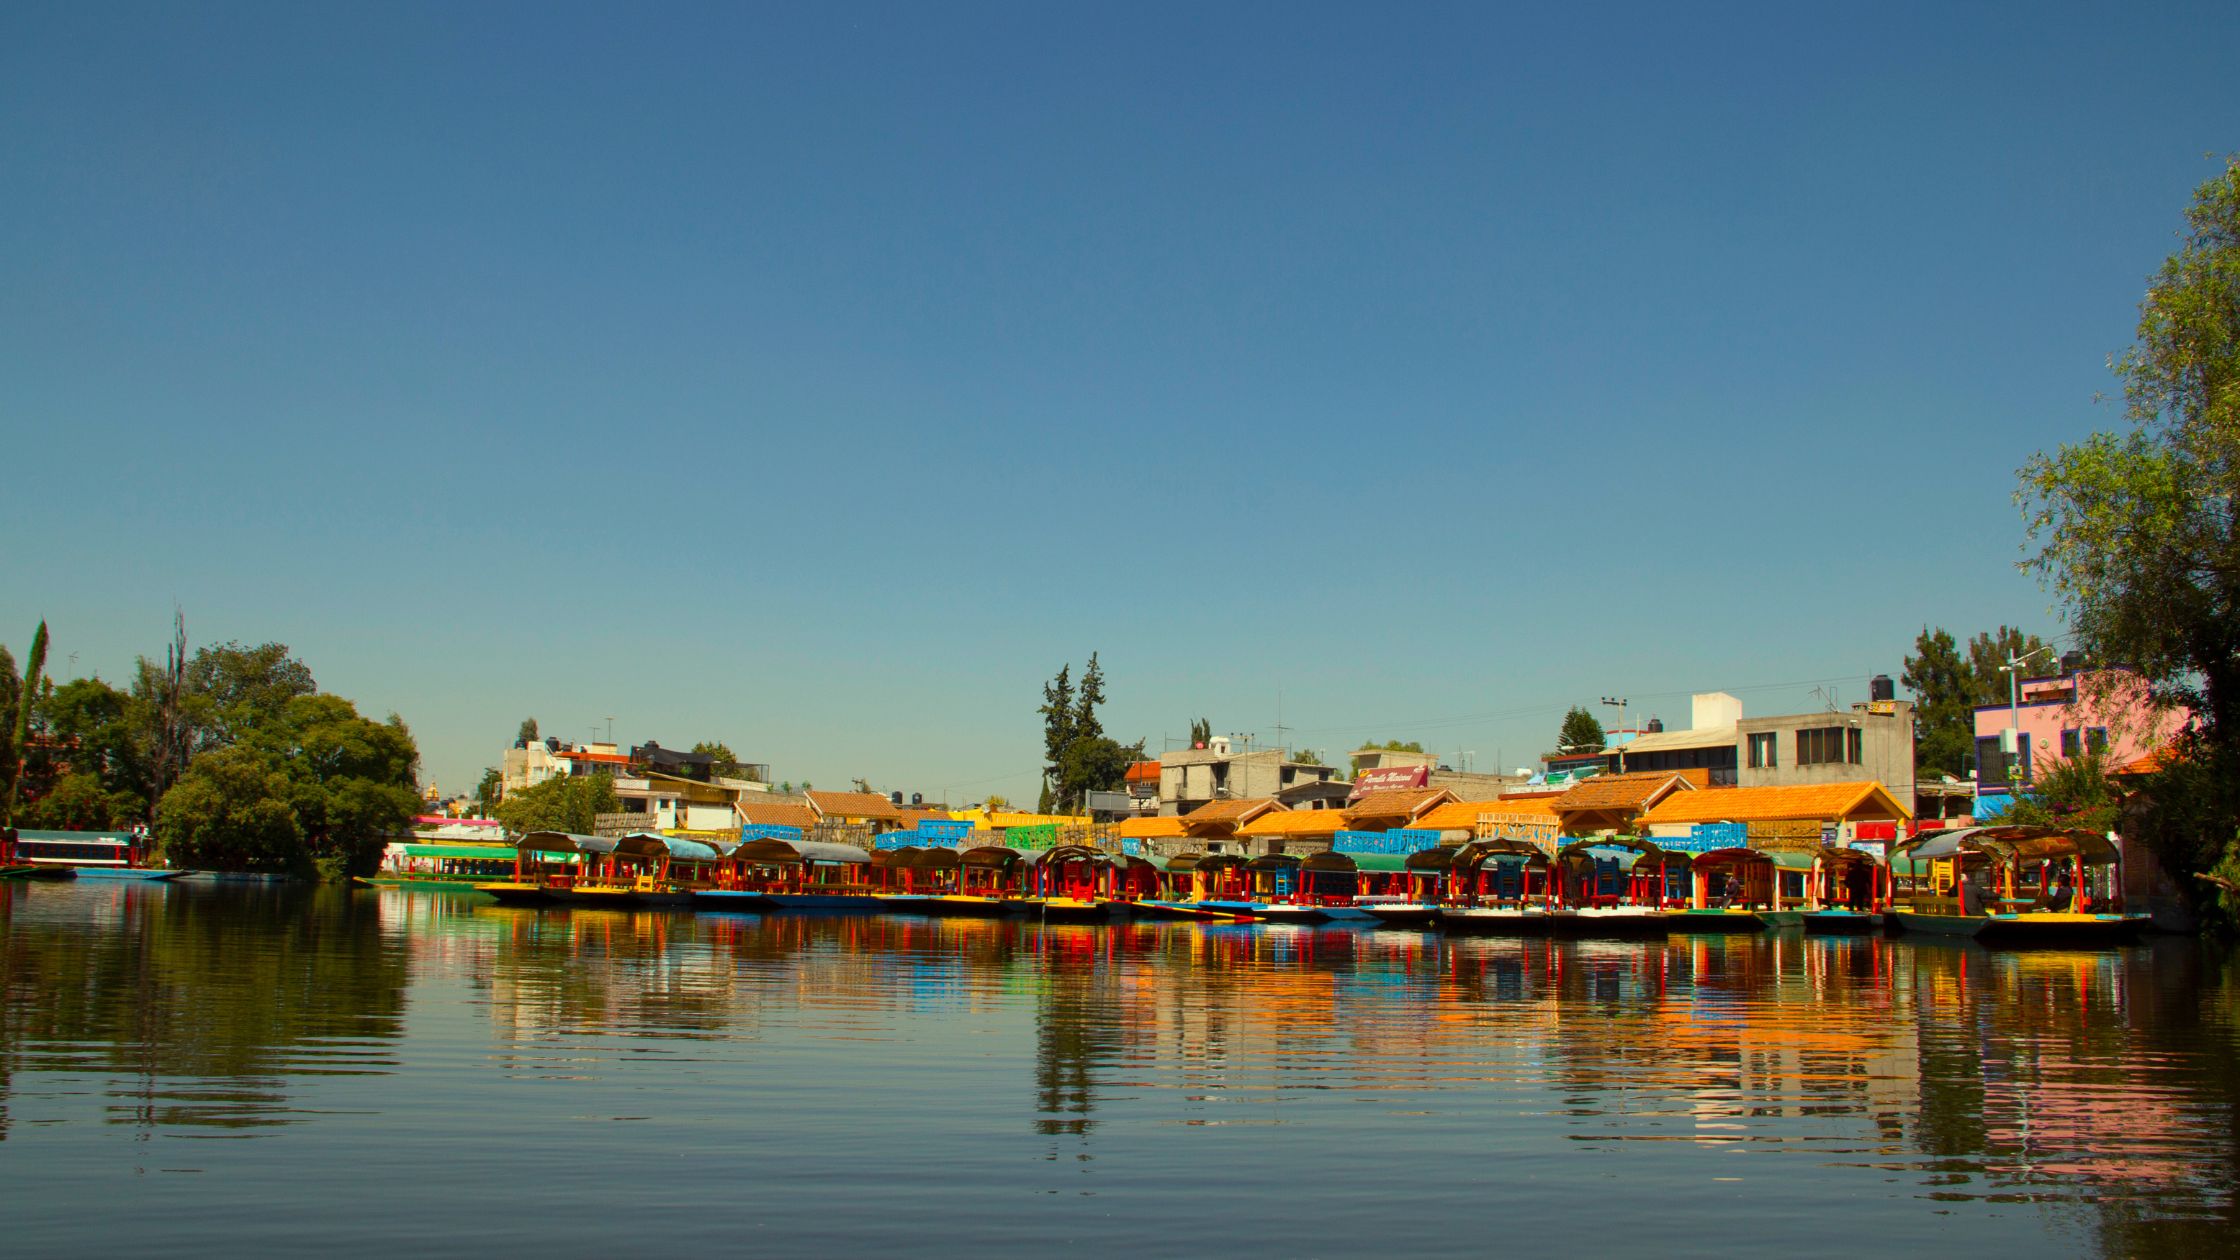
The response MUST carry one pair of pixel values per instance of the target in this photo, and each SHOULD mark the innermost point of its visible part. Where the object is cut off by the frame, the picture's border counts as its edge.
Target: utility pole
(1619, 703)
(2013, 670)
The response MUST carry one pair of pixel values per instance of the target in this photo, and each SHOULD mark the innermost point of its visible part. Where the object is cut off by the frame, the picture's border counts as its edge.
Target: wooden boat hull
(1412, 914)
(1494, 920)
(824, 903)
(730, 901)
(1729, 922)
(2029, 930)
(32, 870)
(1842, 923)
(1079, 910)
(965, 906)
(508, 893)
(1204, 911)
(446, 884)
(1614, 923)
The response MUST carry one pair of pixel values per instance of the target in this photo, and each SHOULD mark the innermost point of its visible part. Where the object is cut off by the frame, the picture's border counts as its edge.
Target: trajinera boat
(1846, 894)
(769, 873)
(1414, 896)
(1208, 886)
(83, 855)
(442, 867)
(2015, 886)
(1738, 889)
(1614, 887)
(1498, 888)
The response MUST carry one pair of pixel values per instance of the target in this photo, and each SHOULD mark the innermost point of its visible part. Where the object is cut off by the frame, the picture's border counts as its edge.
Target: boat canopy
(1383, 861)
(894, 857)
(1476, 853)
(653, 844)
(1329, 861)
(565, 842)
(115, 839)
(2012, 844)
(772, 852)
(479, 851)
(992, 855)
(1439, 859)
(1640, 846)
(1075, 853)
(933, 858)
(1275, 862)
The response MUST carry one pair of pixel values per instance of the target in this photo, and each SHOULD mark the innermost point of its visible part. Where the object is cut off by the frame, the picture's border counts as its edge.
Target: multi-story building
(2107, 711)
(1871, 741)
(1191, 777)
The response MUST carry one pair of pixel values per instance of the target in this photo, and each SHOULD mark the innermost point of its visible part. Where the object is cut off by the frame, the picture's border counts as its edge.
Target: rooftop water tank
(1880, 687)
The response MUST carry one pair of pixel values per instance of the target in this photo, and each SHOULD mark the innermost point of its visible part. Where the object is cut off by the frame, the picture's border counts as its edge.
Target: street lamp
(1619, 703)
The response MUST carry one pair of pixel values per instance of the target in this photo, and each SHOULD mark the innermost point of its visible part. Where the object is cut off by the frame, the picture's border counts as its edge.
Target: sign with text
(1390, 779)
(769, 831)
(1399, 841)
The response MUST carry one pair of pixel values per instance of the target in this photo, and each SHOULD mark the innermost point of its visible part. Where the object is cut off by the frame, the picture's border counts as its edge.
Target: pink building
(2061, 716)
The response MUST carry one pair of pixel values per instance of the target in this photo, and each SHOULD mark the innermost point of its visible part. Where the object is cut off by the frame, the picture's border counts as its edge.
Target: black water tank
(1655, 727)
(917, 798)
(895, 797)
(1880, 687)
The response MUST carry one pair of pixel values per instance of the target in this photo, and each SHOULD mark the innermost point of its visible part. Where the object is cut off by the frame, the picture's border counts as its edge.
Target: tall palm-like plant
(33, 666)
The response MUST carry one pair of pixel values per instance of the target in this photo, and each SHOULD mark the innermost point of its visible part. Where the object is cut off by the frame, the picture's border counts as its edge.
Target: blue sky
(820, 379)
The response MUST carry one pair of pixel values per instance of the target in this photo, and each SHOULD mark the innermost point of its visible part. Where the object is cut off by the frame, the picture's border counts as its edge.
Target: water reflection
(186, 1006)
(1898, 1079)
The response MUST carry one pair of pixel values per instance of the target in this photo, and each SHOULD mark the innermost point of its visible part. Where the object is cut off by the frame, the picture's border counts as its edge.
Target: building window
(2071, 741)
(1829, 745)
(1762, 751)
(2096, 738)
(1854, 745)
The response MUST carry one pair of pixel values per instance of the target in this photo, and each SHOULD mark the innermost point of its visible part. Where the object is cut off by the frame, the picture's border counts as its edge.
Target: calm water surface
(196, 1070)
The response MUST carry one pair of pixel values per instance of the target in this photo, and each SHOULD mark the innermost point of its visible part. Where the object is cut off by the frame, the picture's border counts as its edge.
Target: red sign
(1390, 779)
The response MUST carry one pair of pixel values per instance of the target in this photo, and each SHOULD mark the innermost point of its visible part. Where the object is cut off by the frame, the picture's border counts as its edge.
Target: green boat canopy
(479, 852)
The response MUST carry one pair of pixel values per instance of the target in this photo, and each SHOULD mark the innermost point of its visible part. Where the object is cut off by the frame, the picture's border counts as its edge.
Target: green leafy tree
(1396, 745)
(1057, 728)
(2138, 533)
(528, 732)
(1581, 732)
(1306, 757)
(570, 803)
(1201, 730)
(1945, 693)
(2069, 792)
(95, 760)
(27, 698)
(489, 792)
(233, 690)
(231, 812)
(1094, 764)
(1086, 725)
(11, 690)
(725, 763)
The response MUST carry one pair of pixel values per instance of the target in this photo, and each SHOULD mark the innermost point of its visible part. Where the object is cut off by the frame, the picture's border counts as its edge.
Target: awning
(654, 844)
(770, 852)
(479, 852)
(564, 842)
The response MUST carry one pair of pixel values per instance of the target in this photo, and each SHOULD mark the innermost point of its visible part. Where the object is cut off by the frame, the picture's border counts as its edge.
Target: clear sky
(820, 379)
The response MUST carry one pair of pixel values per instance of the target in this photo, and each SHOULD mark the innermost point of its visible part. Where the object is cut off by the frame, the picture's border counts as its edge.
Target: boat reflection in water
(1933, 1092)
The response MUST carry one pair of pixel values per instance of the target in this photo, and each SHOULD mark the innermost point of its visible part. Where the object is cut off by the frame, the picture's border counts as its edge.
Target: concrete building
(1193, 777)
(1871, 741)
(1709, 744)
(529, 763)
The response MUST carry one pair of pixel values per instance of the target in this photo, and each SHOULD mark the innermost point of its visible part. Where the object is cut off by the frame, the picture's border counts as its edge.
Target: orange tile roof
(1158, 828)
(1463, 815)
(1623, 792)
(777, 814)
(1399, 803)
(1818, 802)
(1143, 772)
(1296, 822)
(853, 805)
(1231, 811)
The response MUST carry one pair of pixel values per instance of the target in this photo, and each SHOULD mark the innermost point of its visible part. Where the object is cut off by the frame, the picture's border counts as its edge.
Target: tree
(1306, 757)
(11, 690)
(2137, 532)
(2068, 792)
(1057, 727)
(528, 732)
(1581, 732)
(1091, 694)
(569, 803)
(230, 812)
(1094, 764)
(27, 697)
(1945, 692)
(94, 754)
(233, 690)
(1394, 745)
(1201, 730)
(489, 792)
(724, 763)
(160, 708)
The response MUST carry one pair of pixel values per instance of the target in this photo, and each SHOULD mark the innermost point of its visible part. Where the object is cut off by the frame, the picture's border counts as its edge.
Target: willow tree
(26, 699)
(2135, 531)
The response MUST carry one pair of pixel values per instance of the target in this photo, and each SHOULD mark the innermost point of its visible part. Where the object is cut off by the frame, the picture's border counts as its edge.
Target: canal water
(191, 1070)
